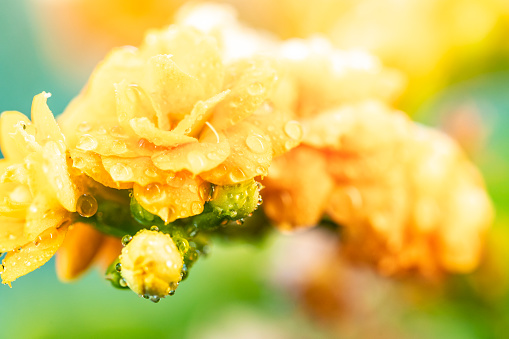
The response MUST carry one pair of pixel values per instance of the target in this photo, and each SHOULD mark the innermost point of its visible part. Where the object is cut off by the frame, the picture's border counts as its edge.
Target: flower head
(38, 191)
(171, 118)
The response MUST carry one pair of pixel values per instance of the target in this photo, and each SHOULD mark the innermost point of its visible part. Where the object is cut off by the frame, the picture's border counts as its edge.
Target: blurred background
(455, 55)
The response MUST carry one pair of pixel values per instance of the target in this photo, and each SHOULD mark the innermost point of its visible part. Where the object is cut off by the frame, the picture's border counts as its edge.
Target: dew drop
(84, 127)
(154, 228)
(153, 192)
(196, 161)
(150, 172)
(78, 162)
(122, 282)
(119, 147)
(118, 267)
(126, 239)
(87, 143)
(86, 205)
(176, 181)
(293, 129)
(255, 143)
(255, 89)
(121, 172)
(196, 207)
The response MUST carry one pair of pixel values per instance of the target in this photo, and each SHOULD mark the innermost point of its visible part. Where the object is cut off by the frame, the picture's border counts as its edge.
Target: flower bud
(151, 264)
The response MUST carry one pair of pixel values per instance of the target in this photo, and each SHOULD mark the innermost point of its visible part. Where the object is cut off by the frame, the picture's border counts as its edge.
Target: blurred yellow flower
(171, 117)
(406, 196)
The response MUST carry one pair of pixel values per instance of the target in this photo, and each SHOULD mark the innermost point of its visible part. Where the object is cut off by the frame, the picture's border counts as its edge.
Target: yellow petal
(111, 139)
(146, 129)
(55, 168)
(194, 157)
(173, 92)
(195, 54)
(140, 170)
(32, 255)
(251, 83)
(11, 172)
(44, 214)
(17, 136)
(91, 164)
(182, 197)
(133, 102)
(78, 250)
(193, 123)
(250, 156)
(14, 200)
(284, 133)
(11, 234)
(296, 195)
(47, 128)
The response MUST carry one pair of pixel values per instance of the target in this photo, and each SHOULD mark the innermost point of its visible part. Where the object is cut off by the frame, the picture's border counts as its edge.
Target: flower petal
(11, 233)
(17, 136)
(140, 170)
(78, 250)
(194, 157)
(182, 197)
(44, 214)
(250, 156)
(47, 128)
(91, 164)
(146, 129)
(32, 255)
(251, 82)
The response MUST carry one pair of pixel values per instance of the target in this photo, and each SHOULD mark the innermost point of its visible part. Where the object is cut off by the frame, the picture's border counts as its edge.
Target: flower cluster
(164, 147)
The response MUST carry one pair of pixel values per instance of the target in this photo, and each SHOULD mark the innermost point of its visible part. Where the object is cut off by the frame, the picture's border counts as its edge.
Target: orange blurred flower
(406, 196)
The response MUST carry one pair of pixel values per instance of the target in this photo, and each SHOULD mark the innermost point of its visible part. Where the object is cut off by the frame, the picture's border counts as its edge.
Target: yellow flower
(170, 118)
(38, 192)
(151, 264)
(406, 196)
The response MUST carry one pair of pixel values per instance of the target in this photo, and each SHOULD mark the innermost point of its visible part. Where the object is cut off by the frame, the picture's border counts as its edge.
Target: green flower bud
(151, 264)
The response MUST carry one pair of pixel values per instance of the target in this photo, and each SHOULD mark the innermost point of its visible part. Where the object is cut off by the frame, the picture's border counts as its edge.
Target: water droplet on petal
(255, 143)
(293, 129)
(196, 207)
(86, 205)
(121, 172)
(150, 172)
(84, 127)
(126, 239)
(196, 161)
(87, 143)
(256, 88)
(153, 192)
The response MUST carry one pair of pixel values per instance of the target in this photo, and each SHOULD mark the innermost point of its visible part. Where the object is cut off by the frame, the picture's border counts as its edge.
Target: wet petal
(44, 214)
(140, 170)
(47, 128)
(284, 133)
(173, 92)
(133, 102)
(14, 200)
(17, 136)
(32, 255)
(194, 157)
(251, 82)
(250, 156)
(146, 129)
(11, 234)
(193, 123)
(296, 195)
(194, 52)
(181, 197)
(91, 164)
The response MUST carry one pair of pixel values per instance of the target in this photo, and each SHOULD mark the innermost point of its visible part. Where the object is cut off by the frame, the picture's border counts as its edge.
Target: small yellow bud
(151, 264)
